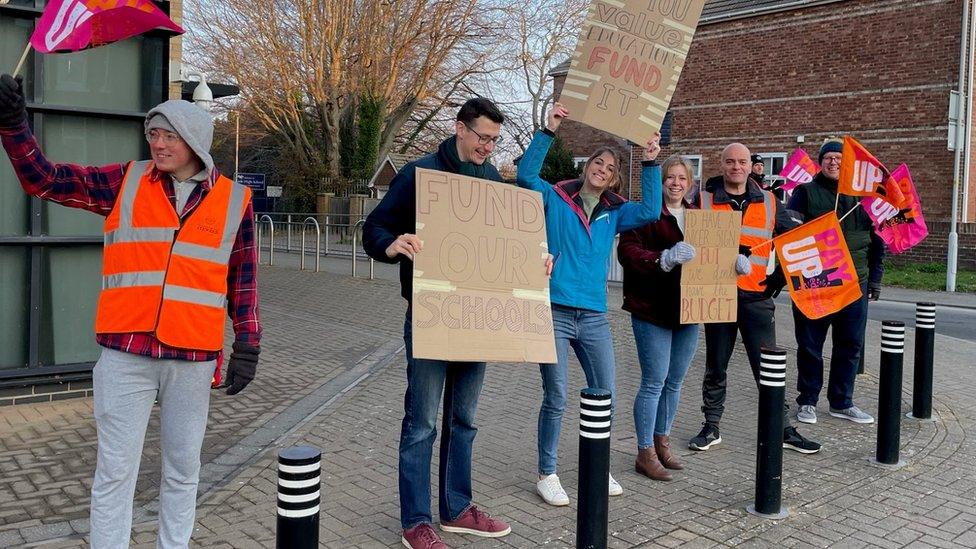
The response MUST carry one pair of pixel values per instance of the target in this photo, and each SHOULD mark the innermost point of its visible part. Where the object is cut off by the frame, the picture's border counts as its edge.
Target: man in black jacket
(388, 236)
(762, 218)
(867, 251)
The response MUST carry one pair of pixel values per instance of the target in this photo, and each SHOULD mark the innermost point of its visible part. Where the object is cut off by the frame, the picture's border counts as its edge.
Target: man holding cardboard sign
(388, 236)
(761, 219)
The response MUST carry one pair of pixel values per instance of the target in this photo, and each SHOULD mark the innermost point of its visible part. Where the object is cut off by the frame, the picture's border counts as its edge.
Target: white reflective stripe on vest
(206, 253)
(235, 214)
(130, 188)
(706, 199)
(758, 260)
(770, 212)
(133, 279)
(129, 234)
(759, 233)
(193, 295)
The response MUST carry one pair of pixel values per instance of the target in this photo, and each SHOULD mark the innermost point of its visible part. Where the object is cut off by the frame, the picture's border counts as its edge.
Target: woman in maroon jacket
(651, 257)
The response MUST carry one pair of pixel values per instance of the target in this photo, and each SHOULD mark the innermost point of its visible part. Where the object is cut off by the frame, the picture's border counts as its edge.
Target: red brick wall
(934, 249)
(880, 70)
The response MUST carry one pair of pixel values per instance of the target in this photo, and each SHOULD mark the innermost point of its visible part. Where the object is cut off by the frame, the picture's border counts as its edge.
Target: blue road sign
(254, 180)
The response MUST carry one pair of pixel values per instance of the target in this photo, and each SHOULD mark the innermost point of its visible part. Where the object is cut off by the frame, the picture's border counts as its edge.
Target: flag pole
(23, 58)
(836, 200)
(763, 243)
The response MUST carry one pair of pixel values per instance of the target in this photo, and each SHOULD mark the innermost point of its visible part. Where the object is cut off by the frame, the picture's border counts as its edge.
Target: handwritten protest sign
(903, 228)
(480, 292)
(820, 273)
(627, 62)
(708, 290)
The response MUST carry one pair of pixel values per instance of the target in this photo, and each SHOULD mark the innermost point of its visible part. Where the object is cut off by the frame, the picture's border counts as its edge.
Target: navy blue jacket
(396, 214)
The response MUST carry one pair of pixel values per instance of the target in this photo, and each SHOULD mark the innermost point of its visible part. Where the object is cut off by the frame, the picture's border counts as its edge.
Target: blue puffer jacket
(581, 246)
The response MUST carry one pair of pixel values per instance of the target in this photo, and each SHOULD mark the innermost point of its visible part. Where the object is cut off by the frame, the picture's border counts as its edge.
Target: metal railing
(260, 231)
(318, 242)
(341, 234)
(355, 233)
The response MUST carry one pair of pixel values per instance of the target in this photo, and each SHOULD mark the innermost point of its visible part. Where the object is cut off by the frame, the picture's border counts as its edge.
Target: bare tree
(303, 66)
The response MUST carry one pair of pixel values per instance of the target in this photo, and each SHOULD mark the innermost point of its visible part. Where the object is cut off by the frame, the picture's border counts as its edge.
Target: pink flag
(799, 169)
(74, 25)
(900, 229)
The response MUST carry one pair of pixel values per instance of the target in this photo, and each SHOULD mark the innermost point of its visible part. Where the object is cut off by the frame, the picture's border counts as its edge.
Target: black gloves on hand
(242, 367)
(13, 106)
(774, 283)
(874, 291)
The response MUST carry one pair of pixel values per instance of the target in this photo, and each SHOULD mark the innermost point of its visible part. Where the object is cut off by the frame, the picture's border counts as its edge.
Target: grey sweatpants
(125, 386)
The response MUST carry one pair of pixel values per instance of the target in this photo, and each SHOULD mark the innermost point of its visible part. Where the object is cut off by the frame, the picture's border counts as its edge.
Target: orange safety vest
(163, 278)
(757, 228)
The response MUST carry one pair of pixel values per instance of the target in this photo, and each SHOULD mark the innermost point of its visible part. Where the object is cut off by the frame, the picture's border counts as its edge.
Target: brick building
(778, 74)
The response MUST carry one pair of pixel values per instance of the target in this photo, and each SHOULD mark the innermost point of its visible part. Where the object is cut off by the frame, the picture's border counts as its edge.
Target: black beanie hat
(832, 144)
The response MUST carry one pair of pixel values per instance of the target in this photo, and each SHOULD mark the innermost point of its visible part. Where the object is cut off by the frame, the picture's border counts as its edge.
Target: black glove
(745, 250)
(874, 291)
(242, 367)
(774, 283)
(13, 107)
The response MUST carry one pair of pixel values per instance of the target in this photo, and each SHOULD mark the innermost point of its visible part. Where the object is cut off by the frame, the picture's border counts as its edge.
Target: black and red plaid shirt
(95, 189)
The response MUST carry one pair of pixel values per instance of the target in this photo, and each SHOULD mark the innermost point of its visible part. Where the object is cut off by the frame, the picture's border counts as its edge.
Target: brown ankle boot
(662, 445)
(649, 466)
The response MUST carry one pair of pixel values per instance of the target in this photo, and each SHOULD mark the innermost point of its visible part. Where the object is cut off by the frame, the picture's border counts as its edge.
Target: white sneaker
(615, 488)
(552, 491)
(852, 414)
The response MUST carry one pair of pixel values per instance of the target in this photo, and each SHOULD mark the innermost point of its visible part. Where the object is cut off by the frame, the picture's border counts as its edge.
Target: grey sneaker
(852, 414)
(807, 414)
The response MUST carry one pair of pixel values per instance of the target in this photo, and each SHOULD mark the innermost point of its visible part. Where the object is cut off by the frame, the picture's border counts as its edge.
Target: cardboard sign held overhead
(480, 291)
(708, 290)
(627, 62)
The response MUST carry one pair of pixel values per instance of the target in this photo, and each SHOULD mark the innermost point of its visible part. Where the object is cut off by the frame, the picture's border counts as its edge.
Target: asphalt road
(950, 321)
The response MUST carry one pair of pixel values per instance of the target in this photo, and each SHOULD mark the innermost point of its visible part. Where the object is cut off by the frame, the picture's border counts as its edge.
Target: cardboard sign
(480, 291)
(820, 273)
(900, 229)
(708, 290)
(626, 64)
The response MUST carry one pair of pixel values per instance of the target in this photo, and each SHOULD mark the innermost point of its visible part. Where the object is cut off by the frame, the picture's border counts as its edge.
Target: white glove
(742, 265)
(681, 253)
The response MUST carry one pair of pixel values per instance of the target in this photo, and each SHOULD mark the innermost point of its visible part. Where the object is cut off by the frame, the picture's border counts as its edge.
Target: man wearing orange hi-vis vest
(762, 217)
(178, 257)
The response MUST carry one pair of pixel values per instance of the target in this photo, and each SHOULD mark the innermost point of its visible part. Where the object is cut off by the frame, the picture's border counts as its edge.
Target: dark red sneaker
(477, 522)
(422, 536)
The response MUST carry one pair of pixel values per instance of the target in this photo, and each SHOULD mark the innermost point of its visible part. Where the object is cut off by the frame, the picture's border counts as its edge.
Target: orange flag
(861, 174)
(820, 273)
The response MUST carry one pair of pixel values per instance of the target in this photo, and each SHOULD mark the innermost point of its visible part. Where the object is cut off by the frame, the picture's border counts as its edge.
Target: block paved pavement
(319, 328)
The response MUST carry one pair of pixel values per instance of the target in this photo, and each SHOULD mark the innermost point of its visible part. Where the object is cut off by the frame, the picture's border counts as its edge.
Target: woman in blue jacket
(582, 218)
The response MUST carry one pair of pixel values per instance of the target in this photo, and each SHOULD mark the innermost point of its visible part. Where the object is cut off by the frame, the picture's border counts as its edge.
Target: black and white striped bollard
(889, 394)
(299, 474)
(924, 352)
(594, 469)
(769, 437)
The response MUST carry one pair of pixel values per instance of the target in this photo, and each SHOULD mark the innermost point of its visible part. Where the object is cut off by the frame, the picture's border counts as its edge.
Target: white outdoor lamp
(202, 95)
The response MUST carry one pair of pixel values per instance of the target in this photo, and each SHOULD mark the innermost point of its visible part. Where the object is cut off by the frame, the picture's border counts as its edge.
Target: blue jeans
(664, 355)
(588, 332)
(460, 383)
(847, 329)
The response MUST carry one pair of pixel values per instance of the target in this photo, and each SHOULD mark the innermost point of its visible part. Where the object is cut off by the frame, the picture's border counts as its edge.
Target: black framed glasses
(484, 139)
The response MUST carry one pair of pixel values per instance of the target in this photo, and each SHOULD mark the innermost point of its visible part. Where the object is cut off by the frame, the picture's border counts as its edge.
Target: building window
(696, 163)
(580, 161)
(773, 163)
